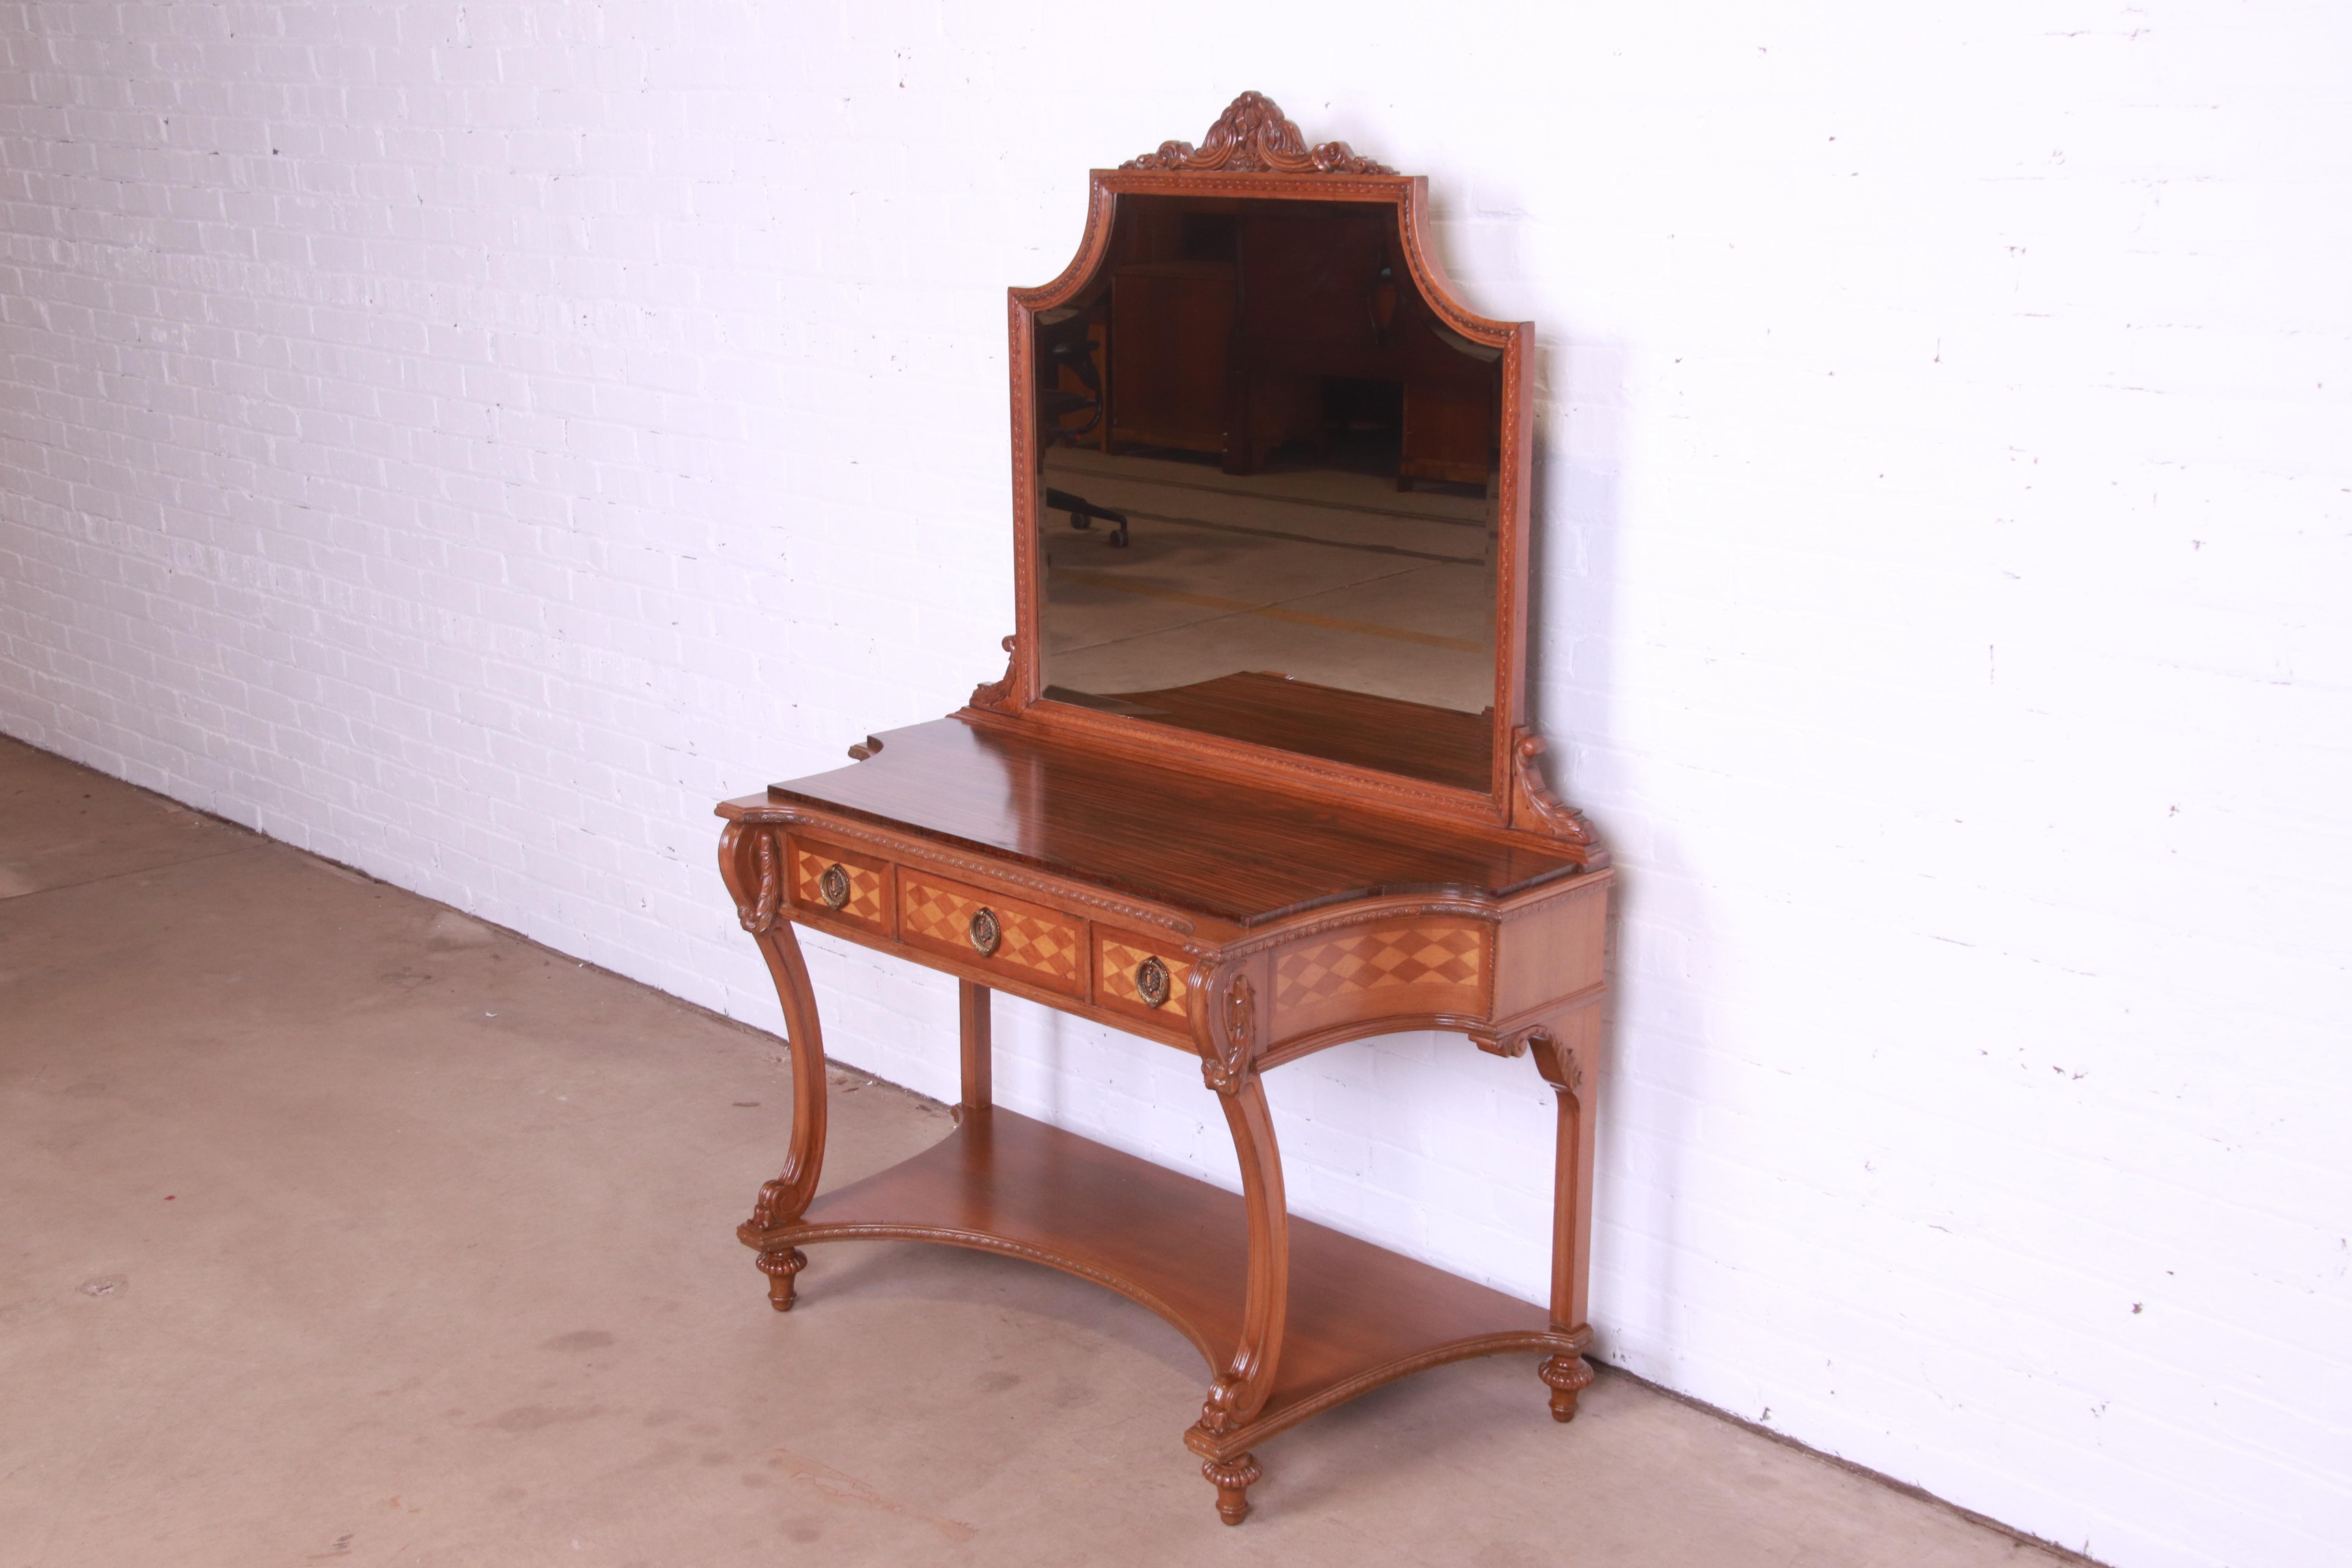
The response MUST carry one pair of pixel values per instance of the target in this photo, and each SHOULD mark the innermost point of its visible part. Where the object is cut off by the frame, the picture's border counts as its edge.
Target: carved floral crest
(1254, 137)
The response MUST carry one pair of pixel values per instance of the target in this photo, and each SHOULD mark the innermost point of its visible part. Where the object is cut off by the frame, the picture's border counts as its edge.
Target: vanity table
(1256, 782)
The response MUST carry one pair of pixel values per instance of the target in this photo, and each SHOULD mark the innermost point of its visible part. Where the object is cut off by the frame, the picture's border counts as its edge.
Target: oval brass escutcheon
(985, 932)
(833, 886)
(1152, 981)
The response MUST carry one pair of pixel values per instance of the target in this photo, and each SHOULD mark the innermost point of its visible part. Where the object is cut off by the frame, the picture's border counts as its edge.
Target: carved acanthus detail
(1534, 806)
(1254, 137)
(997, 696)
(759, 915)
(1561, 1065)
(1225, 1030)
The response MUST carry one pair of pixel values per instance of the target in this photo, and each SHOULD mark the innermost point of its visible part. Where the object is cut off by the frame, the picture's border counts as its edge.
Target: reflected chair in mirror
(1070, 382)
(1084, 513)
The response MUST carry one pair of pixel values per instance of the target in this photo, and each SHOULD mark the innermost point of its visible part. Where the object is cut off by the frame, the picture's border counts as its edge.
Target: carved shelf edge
(1254, 137)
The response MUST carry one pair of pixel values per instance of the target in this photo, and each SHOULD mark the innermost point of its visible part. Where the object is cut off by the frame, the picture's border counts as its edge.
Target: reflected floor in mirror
(1334, 579)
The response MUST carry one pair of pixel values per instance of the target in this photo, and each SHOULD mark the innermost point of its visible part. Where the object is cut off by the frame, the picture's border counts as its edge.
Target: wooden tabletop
(1228, 850)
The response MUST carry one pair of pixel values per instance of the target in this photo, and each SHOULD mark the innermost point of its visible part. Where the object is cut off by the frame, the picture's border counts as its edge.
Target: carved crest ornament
(1254, 137)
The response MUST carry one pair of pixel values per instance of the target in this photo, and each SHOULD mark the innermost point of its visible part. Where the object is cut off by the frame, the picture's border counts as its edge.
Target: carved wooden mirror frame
(1253, 153)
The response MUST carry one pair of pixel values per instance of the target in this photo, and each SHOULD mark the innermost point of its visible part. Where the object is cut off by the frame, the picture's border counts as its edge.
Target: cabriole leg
(750, 857)
(1226, 1029)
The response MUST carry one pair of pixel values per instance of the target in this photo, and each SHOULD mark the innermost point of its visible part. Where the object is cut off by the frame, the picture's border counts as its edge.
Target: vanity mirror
(1273, 490)
(1267, 487)
(1256, 782)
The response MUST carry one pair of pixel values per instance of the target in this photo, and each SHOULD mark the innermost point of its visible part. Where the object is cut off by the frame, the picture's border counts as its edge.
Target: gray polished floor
(342, 1227)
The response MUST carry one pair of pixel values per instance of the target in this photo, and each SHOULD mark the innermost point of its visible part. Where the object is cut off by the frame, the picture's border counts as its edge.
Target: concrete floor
(342, 1227)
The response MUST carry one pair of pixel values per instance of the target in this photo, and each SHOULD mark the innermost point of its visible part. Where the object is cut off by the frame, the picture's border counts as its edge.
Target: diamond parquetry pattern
(1382, 956)
(1048, 947)
(865, 887)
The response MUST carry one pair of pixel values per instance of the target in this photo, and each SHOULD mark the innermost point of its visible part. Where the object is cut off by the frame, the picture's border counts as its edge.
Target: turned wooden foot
(780, 1268)
(1233, 1483)
(1566, 1375)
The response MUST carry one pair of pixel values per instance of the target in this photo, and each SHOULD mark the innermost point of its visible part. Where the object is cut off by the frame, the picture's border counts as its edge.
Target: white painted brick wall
(469, 439)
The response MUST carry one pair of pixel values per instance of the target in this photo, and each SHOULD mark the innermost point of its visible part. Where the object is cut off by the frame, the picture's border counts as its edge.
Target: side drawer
(1122, 985)
(860, 896)
(1039, 946)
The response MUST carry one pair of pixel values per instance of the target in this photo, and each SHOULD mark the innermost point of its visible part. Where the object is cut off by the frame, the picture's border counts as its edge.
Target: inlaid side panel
(1042, 946)
(1120, 979)
(1426, 964)
(842, 883)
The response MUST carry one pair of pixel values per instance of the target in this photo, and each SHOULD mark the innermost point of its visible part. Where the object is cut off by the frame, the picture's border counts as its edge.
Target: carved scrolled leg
(1566, 1376)
(750, 858)
(1233, 1480)
(780, 1268)
(1226, 1031)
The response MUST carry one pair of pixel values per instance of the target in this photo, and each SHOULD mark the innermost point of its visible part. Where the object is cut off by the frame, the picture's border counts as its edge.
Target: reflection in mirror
(1267, 503)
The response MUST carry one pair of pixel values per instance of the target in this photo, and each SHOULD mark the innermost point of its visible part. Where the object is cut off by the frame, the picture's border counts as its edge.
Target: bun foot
(1566, 1375)
(780, 1268)
(1233, 1483)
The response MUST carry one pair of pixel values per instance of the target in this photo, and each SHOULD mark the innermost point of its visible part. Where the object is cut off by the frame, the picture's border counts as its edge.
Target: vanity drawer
(1030, 943)
(1123, 984)
(846, 885)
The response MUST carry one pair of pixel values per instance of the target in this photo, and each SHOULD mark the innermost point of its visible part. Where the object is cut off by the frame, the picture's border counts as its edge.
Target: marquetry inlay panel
(1039, 946)
(868, 900)
(1426, 965)
(1118, 954)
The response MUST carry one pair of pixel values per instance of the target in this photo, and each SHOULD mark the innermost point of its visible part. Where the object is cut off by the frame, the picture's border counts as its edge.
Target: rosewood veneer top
(1229, 850)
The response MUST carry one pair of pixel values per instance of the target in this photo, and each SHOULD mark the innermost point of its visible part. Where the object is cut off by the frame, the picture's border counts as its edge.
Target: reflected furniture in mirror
(1256, 780)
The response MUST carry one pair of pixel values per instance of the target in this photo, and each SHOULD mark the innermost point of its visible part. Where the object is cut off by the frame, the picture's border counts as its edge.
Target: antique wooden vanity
(1257, 780)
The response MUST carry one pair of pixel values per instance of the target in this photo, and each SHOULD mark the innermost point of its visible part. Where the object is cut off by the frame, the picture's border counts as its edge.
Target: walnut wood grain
(1247, 854)
(1385, 734)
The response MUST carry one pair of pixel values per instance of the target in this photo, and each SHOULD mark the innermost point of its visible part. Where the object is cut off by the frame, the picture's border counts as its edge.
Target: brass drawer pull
(1152, 981)
(833, 886)
(985, 932)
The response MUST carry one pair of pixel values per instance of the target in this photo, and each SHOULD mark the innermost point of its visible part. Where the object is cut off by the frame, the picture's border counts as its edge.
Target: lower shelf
(1360, 1315)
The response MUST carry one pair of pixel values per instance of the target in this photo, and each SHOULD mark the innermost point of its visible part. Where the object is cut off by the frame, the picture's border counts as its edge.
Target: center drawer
(1041, 946)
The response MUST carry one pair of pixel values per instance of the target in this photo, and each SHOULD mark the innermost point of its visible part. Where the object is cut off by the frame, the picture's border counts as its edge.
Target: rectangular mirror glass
(1266, 489)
